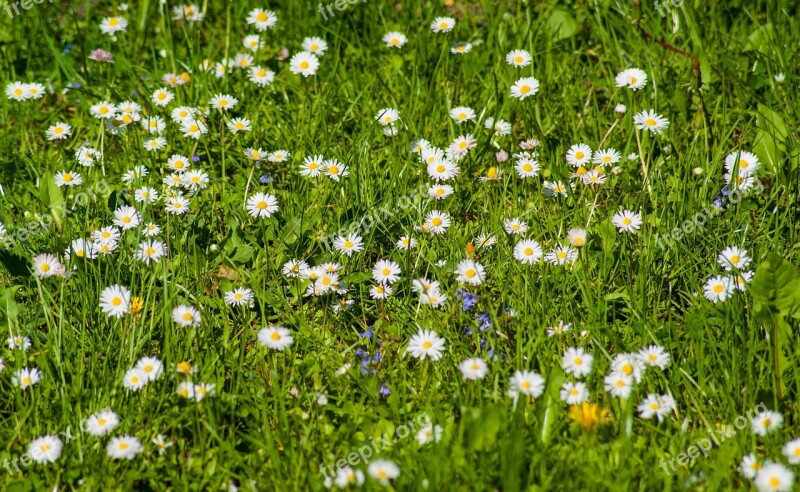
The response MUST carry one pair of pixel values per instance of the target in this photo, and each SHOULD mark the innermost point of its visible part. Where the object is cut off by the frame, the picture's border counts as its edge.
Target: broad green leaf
(759, 40)
(562, 24)
(52, 198)
(776, 287)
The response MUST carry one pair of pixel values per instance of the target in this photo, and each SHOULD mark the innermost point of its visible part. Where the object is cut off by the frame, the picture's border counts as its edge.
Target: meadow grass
(724, 75)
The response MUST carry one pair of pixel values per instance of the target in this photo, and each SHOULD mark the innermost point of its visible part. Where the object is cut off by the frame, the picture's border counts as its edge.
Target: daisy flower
(632, 78)
(45, 449)
(462, 114)
(606, 157)
(278, 156)
(383, 470)
(25, 377)
(262, 19)
(562, 255)
(239, 125)
(559, 329)
(518, 58)
(406, 243)
(443, 24)
(151, 367)
(101, 423)
(275, 337)
(528, 251)
(470, 272)
(346, 476)
(59, 131)
(115, 301)
(618, 385)
(261, 76)
(67, 178)
(240, 297)
(17, 342)
(335, 169)
(439, 192)
(113, 25)
(386, 272)
(574, 393)
(650, 120)
(654, 356)
(746, 163)
(526, 382)
(304, 63)
(577, 237)
(577, 362)
(628, 364)
(387, 116)
(718, 289)
(766, 422)
(46, 265)
(442, 170)
(459, 147)
(461, 48)
(352, 243)
(527, 167)
(186, 316)
(151, 250)
(515, 226)
(123, 447)
(750, 465)
(656, 406)
(774, 477)
(426, 344)
(177, 205)
(315, 45)
(16, 91)
(437, 222)
(223, 101)
(161, 444)
(555, 188)
(792, 451)
(733, 257)
(394, 39)
(626, 221)
(103, 110)
(380, 291)
(161, 97)
(134, 379)
(524, 87)
(473, 369)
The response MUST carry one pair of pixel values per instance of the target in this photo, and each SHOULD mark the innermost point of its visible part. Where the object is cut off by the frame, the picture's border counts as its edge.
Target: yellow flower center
(262, 17)
(650, 122)
(470, 273)
(117, 301)
(427, 344)
(304, 65)
(525, 89)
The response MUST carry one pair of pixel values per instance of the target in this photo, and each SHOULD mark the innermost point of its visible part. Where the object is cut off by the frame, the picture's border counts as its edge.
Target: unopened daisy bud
(137, 304)
(698, 170)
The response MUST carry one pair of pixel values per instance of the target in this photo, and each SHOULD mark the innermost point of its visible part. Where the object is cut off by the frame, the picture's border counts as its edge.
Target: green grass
(711, 72)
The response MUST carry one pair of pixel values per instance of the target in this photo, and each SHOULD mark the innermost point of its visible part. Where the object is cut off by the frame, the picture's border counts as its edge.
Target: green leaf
(562, 24)
(776, 288)
(760, 39)
(52, 198)
(608, 235)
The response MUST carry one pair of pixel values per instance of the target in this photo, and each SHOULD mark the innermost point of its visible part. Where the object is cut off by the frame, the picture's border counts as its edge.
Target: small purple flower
(102, 56)
(265, 179)
(483, 343)
(195, 158)
(377, 358)
(467, 331)
(362, 353)
(484, 321)
(385, 391)
(368, 333)
(468, 299)
(501, 156)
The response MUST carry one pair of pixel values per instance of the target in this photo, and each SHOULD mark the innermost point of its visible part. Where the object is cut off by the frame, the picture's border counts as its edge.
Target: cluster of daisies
(767, 475)
(627, 369)
(734, 261)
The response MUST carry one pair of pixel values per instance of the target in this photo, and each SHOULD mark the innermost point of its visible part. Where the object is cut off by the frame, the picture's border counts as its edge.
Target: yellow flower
(588, 415)
(137, 304)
